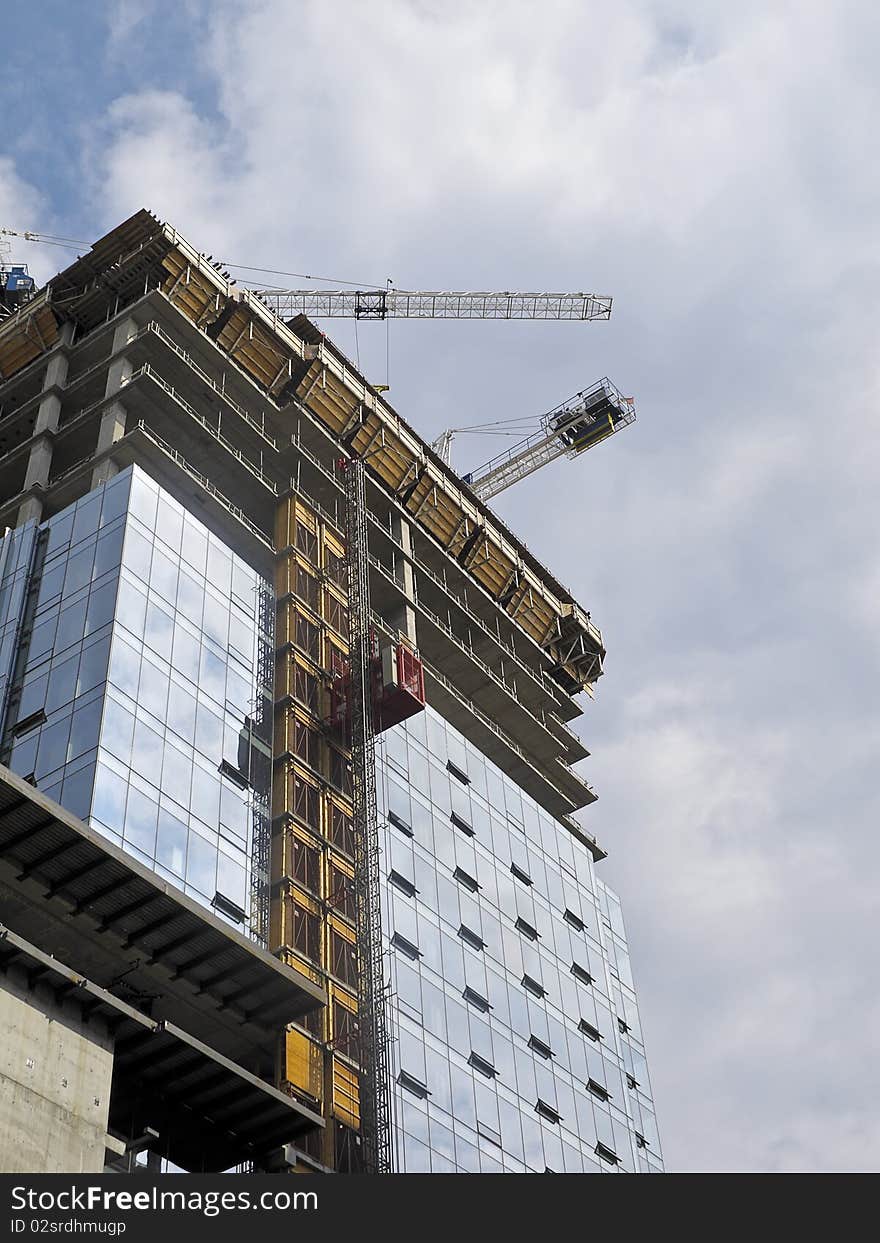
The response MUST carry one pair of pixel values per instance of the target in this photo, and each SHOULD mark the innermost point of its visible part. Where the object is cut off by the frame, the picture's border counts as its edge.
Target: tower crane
(392, 303)
(566, 431)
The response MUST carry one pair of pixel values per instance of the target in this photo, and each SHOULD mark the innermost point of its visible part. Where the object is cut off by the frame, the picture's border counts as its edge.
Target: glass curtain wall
(140, 702)
(517, 1043)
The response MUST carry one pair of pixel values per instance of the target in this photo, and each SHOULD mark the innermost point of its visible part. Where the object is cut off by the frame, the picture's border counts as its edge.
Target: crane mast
(570, 429)
(375, 1102)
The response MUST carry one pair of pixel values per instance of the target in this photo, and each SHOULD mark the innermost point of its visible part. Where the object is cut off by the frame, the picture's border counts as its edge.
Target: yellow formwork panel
(532, 610)
(295, 575)
(490, 566)
(327, 397)
(188, 289)
(385, 454)
(256, 350)
(346, 1100)
(299, 963)
(293, 622)
(304, 1064)
(435, 510)
(297, 793)
(301, 930)
(298, 734)
(288, 513)
(303, 681)
(27, 335)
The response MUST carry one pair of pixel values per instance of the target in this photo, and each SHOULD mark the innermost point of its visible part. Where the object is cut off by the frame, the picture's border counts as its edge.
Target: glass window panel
(71, 625)
(137, 553)
(164, 575)
(176, 772)
(181, 711)
(51, 584)
(79, 570)
(62, 683)
(24, 754)
(76, 793)
(42, 638)
(195, 545)
(108, 805)
(153, 692)
(141, 815)
(201, 865)
(60, 529)
(212, 679)
(93, 665)
(115, 498)
(143, 500)
(117, 732)
(131, 607)
(243, 586)
(147, 753)
(205, 799)
(241, 635)
(169, 523)
(232, 879)
(33, 693)
(219, 568)
(463, 1104)
(84, 731)
(101, 606)
(159, 630)
(124, 666)
(185, 652)
(171, 843)
(215, 626)
(190, 598)
(209, 733)
(108, 552)
(234, 811)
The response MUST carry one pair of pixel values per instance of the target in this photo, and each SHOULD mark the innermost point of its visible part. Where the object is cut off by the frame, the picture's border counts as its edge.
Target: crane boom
(409, 304)
(570, 429)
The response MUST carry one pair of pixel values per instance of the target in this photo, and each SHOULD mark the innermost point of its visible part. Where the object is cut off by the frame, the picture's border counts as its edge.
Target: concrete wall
(55, 1075)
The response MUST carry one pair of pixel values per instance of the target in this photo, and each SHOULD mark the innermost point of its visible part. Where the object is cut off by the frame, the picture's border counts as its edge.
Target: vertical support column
(112, 426)
(45, 426)
(404, 617)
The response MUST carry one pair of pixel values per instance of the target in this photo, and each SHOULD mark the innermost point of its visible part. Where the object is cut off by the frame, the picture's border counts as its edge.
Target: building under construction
(291, 870)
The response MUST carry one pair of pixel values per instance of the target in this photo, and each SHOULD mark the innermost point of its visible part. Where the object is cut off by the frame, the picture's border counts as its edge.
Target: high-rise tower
(176, 816)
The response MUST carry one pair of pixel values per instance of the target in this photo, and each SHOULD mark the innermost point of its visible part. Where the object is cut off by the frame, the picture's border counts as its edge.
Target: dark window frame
(527, 929)
(471, 938)
(457, 772)
(482, 1065)
(520, 875)
(540, 1047)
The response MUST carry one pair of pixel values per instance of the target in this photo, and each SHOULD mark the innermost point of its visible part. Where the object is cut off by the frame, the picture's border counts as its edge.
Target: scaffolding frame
(375, 1094)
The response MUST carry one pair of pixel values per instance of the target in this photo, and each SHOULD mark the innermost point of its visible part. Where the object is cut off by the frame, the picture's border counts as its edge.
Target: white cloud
(22, 206)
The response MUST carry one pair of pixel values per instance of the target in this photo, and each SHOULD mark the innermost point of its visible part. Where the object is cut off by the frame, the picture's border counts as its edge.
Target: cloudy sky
(714, 168)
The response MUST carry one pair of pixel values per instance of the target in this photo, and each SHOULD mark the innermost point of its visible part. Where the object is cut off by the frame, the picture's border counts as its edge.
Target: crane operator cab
(16, 287)
(596, 416)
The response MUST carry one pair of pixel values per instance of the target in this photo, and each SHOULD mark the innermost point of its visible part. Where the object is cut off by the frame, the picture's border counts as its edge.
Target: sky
(713, 167)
